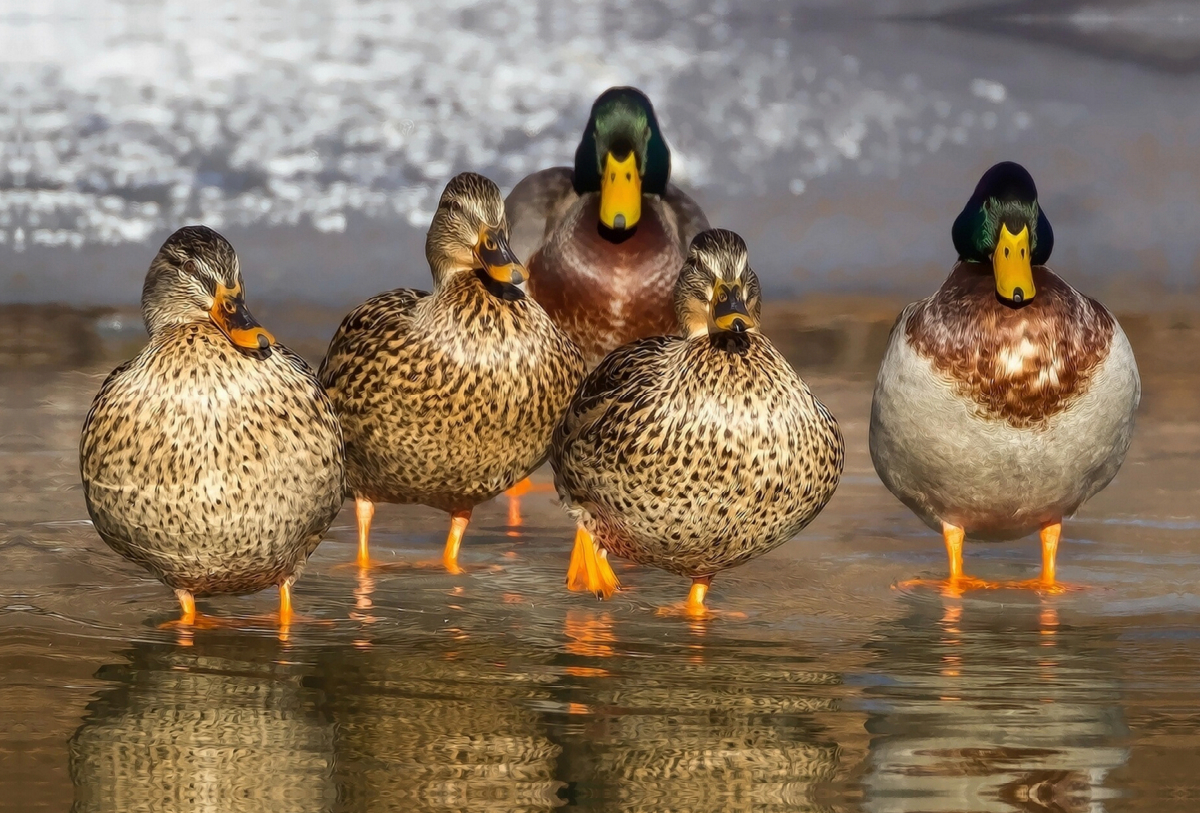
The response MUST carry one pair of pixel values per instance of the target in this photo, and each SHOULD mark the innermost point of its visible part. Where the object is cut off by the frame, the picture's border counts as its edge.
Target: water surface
(497, 690)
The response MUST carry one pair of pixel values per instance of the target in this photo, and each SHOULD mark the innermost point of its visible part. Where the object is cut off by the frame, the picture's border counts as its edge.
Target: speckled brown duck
(1006, 399)
(605, 239)
(697, 452)
(447, 399)
(213, 458)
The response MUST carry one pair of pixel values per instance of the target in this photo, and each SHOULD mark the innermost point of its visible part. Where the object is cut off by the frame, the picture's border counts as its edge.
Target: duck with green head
(604, 240)
(1006, 399)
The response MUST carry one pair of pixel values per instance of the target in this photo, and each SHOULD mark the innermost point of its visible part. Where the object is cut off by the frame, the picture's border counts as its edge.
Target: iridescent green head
(1004, 226)
(622, 156)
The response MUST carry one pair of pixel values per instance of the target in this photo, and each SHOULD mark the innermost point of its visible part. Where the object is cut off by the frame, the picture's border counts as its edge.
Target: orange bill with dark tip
(729, 311)
(230, 314)
(498, 258)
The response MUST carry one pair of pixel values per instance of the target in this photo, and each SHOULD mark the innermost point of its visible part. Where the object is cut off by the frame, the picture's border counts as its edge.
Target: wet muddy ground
(498, 690)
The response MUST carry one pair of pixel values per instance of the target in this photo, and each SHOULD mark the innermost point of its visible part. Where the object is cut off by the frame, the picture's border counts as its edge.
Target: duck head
(717, 291)
(1003, 225)
(622, 156)
(470, 233)
(195, 277)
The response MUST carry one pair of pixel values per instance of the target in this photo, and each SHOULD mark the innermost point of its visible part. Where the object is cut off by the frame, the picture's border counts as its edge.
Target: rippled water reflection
(409, 689)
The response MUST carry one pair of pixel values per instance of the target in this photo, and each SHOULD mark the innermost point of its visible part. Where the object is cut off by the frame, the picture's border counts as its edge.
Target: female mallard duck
(213, 458)
(448, 399)
(605, 240)
(1007, 398)
(694, 453)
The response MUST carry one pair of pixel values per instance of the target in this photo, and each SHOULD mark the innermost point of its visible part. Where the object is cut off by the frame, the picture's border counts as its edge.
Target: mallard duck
(1006, 399)
(448, 399)
(213, 458)
(697, 452)
(605, 239)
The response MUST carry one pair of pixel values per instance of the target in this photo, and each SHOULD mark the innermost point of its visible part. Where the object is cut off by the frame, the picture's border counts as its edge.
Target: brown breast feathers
(1023, 365)
(604, 294)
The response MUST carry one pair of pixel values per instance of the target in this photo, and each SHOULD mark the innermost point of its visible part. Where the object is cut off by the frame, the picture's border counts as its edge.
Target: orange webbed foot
(953, 586)
(694, 608)
(589, 569)
(1045, 587)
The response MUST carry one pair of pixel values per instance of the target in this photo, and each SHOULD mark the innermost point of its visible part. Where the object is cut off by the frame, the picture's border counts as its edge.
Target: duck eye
(1022, 254)
(723, 297)
(489, 243)
(628, 176)
(1006, 251)
(190, 267)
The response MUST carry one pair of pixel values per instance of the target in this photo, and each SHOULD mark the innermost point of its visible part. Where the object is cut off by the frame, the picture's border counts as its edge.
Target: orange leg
(285, 603)
(187, 604)
(364, 510)
(695, 599)
(1048, 581)
(515, 494)
(1050, 536)
(285, 610)
(956, 582)
(458, 525)
(589, 569)
(695, 608)
(953, 536)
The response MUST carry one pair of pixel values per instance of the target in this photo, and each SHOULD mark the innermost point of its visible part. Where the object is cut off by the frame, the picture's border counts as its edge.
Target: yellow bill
(498, 259)
(1013, 266)
(230, 314)
(620, 193)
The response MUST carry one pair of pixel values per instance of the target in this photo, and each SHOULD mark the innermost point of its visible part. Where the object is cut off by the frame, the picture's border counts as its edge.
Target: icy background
(839, 139)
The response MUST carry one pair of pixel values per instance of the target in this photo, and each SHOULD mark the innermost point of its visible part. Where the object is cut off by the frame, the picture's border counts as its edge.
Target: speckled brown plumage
(450, 398)
(447, 399)
(1023, 365)
(696, 453)
(216, 468)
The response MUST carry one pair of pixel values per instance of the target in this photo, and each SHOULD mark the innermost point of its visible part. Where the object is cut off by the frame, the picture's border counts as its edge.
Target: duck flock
(595, 319)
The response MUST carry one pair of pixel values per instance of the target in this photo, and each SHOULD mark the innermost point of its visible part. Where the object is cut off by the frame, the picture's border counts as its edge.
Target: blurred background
(841, 138)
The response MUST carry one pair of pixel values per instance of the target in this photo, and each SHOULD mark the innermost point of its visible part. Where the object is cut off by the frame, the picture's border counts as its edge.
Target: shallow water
(497, 690)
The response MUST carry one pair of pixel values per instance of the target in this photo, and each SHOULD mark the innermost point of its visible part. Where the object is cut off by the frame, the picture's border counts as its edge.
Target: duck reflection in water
(440, 724)
(221, 725)
(987, 711)
(712, 725)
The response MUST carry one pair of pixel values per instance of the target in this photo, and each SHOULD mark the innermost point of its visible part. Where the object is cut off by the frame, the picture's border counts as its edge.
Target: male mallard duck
(1007, 398)
(449, 398)
(605, 240)
(213, 458)
(694, 453)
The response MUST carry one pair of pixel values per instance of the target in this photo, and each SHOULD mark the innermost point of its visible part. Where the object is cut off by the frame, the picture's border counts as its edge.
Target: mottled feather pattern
(696, 455)
(450, 398)
(1021, 365)
(217, 469)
